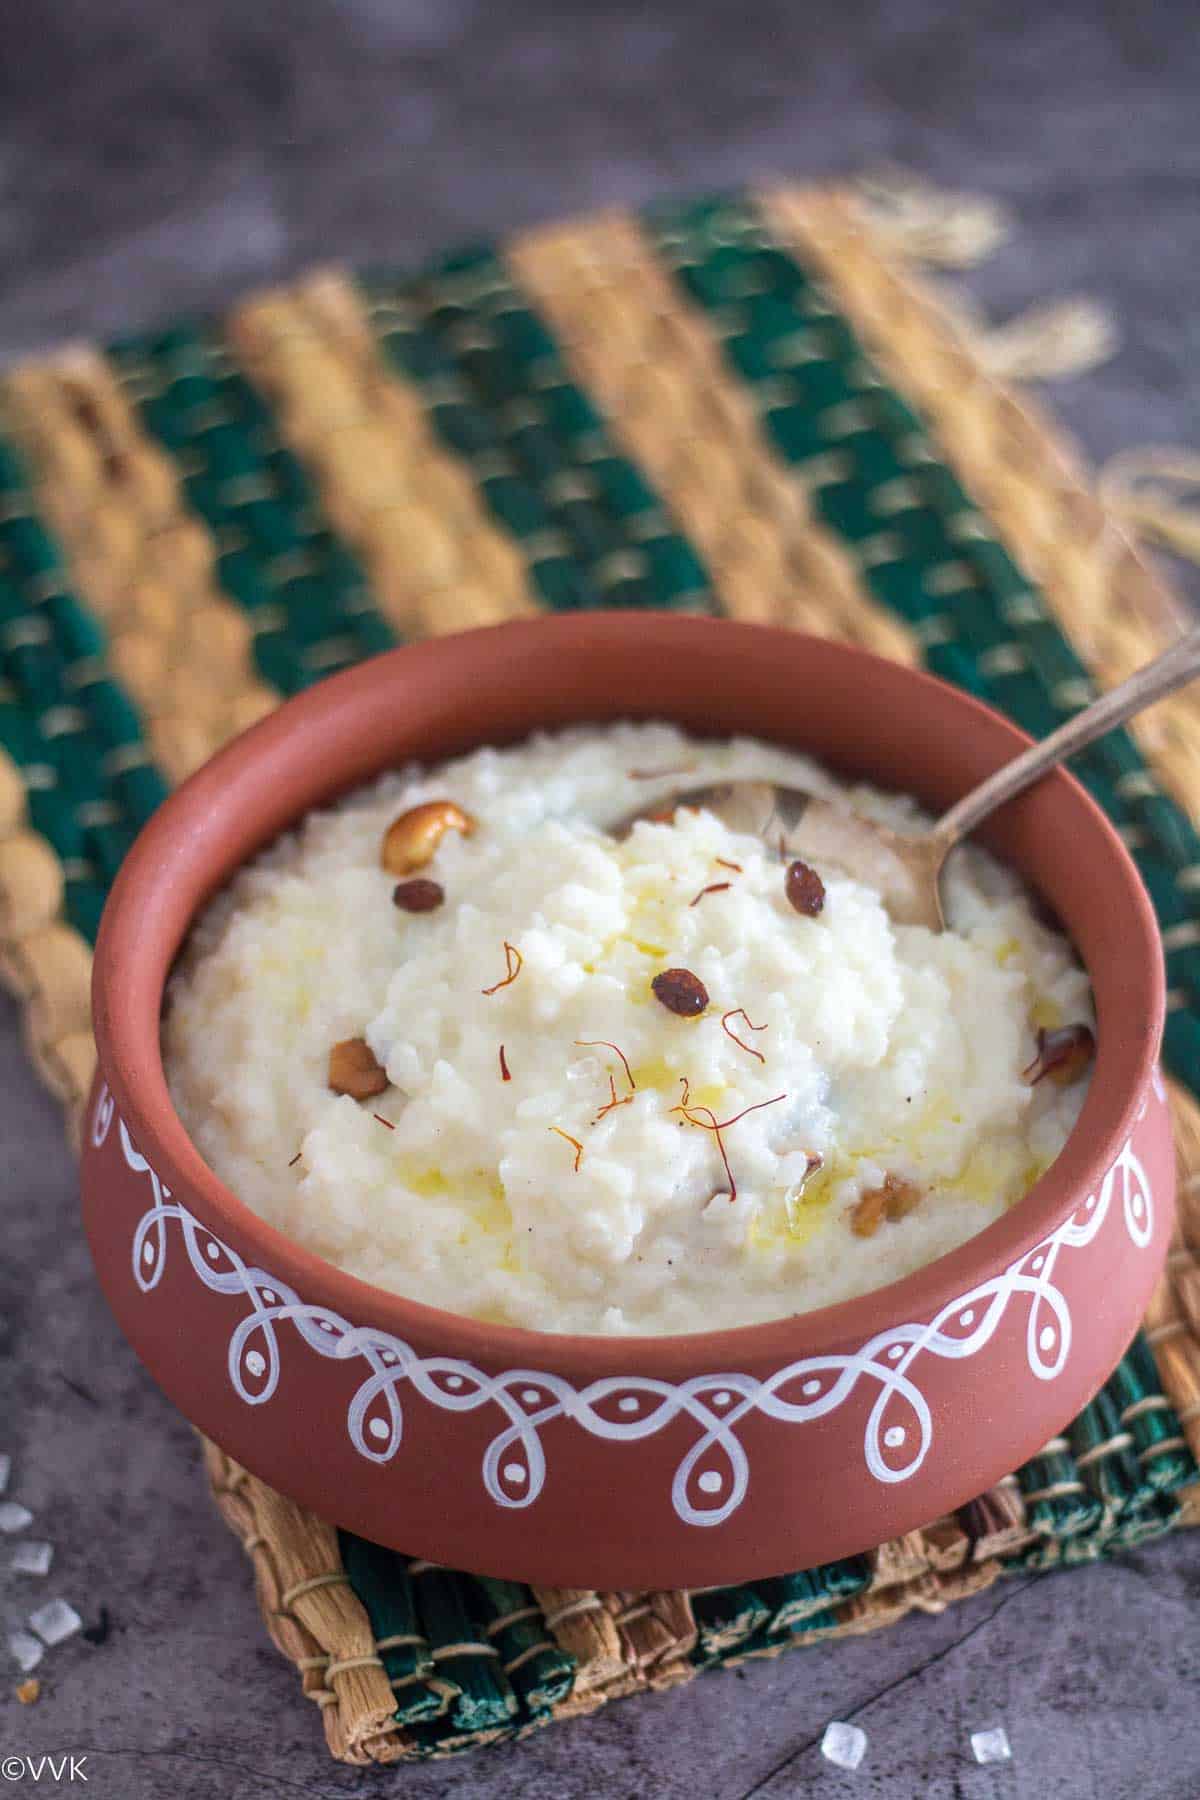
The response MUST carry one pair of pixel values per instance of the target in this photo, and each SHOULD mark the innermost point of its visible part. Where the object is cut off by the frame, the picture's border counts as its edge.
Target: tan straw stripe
(408, 508)
(298, 1553)
(31, 895)
(142, 562)
(44, 961)
(656, 367)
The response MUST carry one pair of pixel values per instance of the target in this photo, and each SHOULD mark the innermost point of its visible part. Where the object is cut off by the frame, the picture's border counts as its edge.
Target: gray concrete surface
(153, 159)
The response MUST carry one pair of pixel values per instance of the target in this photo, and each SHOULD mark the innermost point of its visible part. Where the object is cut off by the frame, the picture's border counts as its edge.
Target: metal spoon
(906, 870)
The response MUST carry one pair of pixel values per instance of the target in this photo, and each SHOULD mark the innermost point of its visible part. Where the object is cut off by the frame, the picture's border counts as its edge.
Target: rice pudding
(461, 1040)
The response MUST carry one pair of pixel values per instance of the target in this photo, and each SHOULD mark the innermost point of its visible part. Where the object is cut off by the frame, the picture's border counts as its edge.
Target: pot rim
(135, 951)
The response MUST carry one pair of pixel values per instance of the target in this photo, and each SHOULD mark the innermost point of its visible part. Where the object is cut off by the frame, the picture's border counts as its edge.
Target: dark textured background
(154, 158)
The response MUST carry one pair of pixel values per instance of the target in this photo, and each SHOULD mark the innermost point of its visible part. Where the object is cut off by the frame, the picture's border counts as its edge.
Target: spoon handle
(1175, 667)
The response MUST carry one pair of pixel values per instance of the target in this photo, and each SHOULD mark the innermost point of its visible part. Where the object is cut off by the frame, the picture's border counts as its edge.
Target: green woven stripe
(302, 588)
(481, 1698)
(1142, 1411)
(793, 1601)
(923, 547)
(415, 1617)
(725, 1618)
(732, 1622)
(70, 728)
(540, 1672)
(1109, 1481)
(499, 394)
(380, 1579)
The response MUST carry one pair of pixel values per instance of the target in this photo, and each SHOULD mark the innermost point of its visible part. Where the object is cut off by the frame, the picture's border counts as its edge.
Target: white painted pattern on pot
(712, 1479)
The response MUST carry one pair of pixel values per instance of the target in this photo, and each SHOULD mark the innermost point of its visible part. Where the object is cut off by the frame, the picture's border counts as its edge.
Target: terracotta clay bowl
(627, 1462)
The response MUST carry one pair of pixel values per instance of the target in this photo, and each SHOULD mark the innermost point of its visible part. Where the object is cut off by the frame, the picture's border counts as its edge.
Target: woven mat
(745, 406)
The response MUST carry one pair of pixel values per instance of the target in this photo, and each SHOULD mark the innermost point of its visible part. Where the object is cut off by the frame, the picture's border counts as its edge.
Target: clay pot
(627, 1462)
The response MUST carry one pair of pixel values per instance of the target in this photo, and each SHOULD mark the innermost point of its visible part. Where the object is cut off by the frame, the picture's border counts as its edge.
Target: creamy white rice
(898, 1052)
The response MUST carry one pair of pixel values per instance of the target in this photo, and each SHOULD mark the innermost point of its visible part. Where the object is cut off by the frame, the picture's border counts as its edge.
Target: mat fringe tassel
(929, 224)
(1050, 342)
(939, 228)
